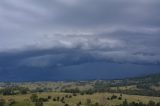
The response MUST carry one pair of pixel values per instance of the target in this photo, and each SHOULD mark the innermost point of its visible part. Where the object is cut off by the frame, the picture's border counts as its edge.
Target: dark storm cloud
(66, 32)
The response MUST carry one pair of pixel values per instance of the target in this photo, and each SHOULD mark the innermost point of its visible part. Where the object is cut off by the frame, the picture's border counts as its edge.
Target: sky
(52, 36)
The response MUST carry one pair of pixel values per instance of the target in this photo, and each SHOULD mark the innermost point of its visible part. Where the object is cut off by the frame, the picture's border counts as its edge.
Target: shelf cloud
(59, 33)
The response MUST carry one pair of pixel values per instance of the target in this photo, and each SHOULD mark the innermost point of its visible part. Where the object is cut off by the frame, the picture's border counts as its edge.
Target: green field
(24, 100)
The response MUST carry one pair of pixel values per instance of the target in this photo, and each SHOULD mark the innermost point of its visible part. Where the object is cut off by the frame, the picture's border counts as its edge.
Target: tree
(113, 97)
(58, 98)
(141, 104)
(49, 97)
(151, 103)
(39, 103)
(11, 102)
(2, 102)
(66, 105)
(125, 103)
(158, 104)
(34, 97)
(88, 102)
(96, 104)
(120, 98)
(79, 103)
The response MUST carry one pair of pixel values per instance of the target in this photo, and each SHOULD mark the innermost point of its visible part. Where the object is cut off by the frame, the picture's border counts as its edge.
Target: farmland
(141, 91)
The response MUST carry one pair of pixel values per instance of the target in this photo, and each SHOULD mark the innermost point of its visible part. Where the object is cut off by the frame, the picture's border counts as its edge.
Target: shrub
(49, 97)
(39, 103)
(66, 105)
(43, 99)
(74, 94)
(113, 97)
(108, 98)
(70, 96)
(82, 93)
(120, 98)
(54, 99)
(62, 100)
(66, 96)
(125, 103)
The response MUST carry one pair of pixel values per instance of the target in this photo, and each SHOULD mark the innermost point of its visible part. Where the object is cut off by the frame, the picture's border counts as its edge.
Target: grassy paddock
(24, 100)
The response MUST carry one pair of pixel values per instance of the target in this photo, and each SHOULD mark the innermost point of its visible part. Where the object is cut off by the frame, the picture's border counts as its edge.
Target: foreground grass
(24, 100)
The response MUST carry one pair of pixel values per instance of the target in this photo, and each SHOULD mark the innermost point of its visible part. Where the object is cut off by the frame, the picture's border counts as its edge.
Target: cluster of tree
(14, 90)
(62, 99)
(150, 103)
(89, 103)
(76, 90)
(143, 92)
(10, 102)
(144, 85)
(2, 102)
(41, 90)
(68, 96)
(39, 101)
(115, 97)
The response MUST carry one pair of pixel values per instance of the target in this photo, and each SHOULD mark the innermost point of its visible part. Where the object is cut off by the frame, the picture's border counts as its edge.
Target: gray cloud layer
(81, 30)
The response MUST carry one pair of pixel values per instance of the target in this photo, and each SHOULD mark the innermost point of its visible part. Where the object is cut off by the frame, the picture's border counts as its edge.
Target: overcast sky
(42, 33)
